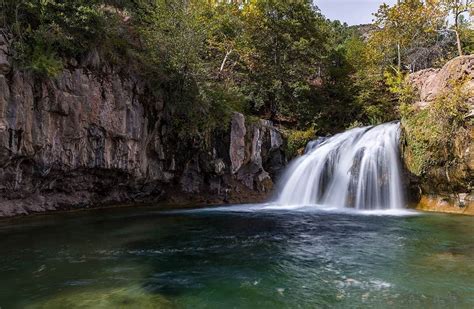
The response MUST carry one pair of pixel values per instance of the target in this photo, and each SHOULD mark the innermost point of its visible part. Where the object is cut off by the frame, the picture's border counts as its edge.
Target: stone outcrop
(446, 187)
(93, 136)
(263, 159)
(431, 83)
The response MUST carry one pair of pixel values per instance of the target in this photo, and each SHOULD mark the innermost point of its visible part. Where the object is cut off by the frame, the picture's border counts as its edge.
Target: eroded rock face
(89, 138)
(447, 187)
(75, 141)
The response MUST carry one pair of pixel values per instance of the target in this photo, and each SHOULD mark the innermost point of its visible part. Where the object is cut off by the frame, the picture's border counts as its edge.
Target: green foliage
(46, 31)
(297, 140)
(377, 104)
(405, 31)
(430, 131)
(283, 46)
(181, 54)
(44, 62)
(263, 56)
(466, 33)
(398, 84)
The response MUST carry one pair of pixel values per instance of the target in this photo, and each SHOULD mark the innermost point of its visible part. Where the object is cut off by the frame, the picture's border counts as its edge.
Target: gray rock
(237, 142)
(5, 66)
(440, 179)
(192, 178)
(219, 167)
(256, 149)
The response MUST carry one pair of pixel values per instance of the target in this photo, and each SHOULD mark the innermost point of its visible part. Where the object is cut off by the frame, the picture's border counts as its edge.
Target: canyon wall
(94, 136)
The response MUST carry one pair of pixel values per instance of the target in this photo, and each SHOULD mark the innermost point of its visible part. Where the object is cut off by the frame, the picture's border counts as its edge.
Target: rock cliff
(96, 136)
(445, 183)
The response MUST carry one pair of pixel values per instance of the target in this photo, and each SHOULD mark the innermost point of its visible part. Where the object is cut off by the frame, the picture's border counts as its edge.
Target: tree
(283, 51)
(406, 28)
(457, 9)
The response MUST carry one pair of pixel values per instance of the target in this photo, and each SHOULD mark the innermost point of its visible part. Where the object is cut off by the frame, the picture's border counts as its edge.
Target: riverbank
(437, 204)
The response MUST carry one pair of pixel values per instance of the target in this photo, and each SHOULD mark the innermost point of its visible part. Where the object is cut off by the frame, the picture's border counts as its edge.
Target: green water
(236, 258)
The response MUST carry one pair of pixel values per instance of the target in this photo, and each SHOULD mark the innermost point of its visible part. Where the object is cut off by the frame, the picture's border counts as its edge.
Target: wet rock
(256, 147)
(265, 156)
(276, 139)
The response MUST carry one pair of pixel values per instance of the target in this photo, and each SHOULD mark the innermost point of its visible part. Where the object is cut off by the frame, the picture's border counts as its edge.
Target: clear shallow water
(235, 257)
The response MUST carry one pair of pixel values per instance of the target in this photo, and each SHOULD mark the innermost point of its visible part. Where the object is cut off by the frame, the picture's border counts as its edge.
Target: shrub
(44, 62)
(297, 140)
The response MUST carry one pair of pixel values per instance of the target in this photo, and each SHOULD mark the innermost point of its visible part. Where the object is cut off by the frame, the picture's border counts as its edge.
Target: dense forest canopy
(277, 59)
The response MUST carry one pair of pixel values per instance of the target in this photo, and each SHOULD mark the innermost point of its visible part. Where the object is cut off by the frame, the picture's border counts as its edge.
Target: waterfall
(359, 168)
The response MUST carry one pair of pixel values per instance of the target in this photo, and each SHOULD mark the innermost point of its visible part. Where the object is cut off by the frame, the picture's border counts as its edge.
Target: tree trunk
(224, 61)
(458, 11)
(399, 57)
(458, 42)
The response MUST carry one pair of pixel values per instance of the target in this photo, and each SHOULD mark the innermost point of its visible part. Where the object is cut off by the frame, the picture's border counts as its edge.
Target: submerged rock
(133, 297)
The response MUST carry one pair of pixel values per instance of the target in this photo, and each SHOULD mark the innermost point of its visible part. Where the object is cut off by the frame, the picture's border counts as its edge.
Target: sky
(353, 12)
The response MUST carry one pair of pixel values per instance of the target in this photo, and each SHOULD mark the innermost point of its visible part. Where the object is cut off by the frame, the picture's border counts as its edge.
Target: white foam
(274, 207)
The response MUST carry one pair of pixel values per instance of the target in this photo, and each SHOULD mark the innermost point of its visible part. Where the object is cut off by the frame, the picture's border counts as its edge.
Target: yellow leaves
(252, 10)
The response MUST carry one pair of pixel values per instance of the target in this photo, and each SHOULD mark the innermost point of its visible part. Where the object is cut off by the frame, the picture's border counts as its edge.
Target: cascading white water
(359, 168)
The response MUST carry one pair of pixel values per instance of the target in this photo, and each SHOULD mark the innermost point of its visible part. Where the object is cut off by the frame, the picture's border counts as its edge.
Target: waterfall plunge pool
(336, 235)
(245, 256)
